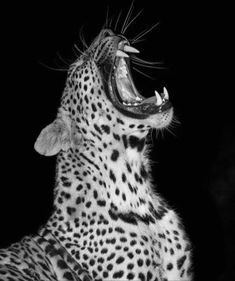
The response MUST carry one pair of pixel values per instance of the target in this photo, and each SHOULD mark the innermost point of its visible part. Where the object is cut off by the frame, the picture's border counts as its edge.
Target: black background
(193, 167)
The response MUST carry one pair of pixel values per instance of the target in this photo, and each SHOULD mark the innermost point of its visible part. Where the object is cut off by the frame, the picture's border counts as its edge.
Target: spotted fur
(108, 223)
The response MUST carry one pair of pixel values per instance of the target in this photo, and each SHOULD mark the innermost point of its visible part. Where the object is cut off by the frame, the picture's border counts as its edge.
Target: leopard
(108, 221)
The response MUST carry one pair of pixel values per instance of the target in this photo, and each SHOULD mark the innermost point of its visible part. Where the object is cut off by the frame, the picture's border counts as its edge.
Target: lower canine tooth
(159, 99)
(165, 93)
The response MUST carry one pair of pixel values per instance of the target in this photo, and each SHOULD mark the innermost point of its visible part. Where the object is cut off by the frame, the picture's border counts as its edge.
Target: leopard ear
(53, 138)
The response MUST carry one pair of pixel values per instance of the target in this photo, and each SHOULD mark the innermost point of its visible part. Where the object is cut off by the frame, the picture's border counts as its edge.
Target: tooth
(130, 49)
(138, 98)
(121, 54)
(159, 99)
(165, 93)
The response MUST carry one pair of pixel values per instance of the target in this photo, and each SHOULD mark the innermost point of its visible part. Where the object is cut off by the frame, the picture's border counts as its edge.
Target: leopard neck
(99, 179)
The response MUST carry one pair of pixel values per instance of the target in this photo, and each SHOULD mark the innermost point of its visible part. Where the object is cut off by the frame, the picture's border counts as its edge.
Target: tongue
(151, 100)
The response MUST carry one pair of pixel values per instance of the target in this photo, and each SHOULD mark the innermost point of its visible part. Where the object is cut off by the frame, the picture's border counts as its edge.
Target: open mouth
(123, 92)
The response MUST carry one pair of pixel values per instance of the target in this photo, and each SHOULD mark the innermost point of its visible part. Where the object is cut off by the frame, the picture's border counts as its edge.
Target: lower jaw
(142, 111)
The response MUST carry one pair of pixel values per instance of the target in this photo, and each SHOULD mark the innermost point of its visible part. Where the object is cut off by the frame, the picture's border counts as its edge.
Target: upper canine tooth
(120, 53)
(165, 93)
(130, 49)
(159, 99)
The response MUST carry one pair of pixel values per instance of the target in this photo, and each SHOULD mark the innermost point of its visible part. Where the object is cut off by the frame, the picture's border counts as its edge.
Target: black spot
(159, 213)
(119, 229)
(130, 266)
(79, 187)
(137, 143)
(114, 155)
(110, 267)
(120, 121)
(123, 177)
(147, 262)
(178, 246)
(117, 191)
(130, 187)
(133, 242)
(97, 128)
(149, 276)
(172, 251)
(112, 176)
(124, 139)
(123, 239)
(140, 262)
(128, 167)
(118, 274)
(181, 261)
(100, 260)
(116, 137)
(130, 276)
(123, 196)
(112, 215)
(119, 260)
(111, 241)
(78, 200)
(143, 172)
(111, 256)
(101, 203)
(88, 204)
(70, 210)
(128, 218)
(93, 107)
(141, 276)
(68, 276)
(106, 128)
(61, 264)
(130, 255)
(169, 266)
(95, 194)
(104, 251)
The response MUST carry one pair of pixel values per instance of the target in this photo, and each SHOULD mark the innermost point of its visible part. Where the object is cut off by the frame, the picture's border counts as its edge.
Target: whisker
(170, 131)
(53, 68)
(118, 18)
(82, 37)
(137, 41)
(145, 61)
(147, 66)
(127, 16)
(80, 52)
(144, 32)
(144, 74)
(67, 63)
(110, 23)
(135, 17)
(106, 24)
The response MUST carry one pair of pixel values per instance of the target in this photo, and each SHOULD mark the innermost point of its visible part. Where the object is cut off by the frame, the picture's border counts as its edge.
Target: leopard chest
(119, 250)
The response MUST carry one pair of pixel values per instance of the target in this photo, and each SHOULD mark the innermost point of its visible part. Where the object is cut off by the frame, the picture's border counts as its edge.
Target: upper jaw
(123, 92)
